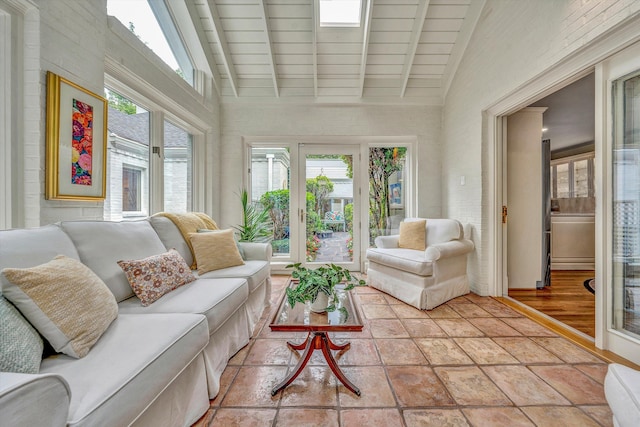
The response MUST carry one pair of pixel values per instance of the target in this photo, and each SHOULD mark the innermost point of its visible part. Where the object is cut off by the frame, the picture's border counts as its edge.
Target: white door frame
(580, 63)
(347, 149)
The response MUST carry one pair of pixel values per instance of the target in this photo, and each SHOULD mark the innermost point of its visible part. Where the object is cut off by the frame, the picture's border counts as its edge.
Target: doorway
(311, 194)
(551, 204)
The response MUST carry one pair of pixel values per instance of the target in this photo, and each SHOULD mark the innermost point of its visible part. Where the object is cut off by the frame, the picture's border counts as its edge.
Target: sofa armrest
(256, 250)
(387, 242)
(622, 390)
(448, 249)
(30, 400)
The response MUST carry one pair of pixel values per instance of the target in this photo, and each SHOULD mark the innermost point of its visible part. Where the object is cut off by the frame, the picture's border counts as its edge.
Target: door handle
(301, 215)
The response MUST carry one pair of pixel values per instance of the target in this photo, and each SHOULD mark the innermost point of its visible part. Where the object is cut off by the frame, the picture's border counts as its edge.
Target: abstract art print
(76, 142)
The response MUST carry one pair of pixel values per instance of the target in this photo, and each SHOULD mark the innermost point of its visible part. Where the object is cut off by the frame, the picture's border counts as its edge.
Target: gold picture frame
(76, 142)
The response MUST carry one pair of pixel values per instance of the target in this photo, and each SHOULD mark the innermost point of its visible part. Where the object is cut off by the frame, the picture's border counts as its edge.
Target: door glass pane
(178, 162)
(387, 191)
(329, 199)
(270, 183)
(562, 180)
(581, 178)
(626, 205)
(127, 159)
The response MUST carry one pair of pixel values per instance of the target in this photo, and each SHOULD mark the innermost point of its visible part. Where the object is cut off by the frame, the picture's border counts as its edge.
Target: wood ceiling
(404, 51)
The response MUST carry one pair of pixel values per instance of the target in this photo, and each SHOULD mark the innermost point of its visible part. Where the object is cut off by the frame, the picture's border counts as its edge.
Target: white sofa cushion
(256, 272)
(622, 390)
(131, 364)
(217, 299)
(101, 244)
(171, 237)
(29, 400)
(22, 248)
(440, 230)
(409, 260)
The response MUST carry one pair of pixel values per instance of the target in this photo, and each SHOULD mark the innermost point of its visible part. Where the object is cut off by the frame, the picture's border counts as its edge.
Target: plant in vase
(319, 284)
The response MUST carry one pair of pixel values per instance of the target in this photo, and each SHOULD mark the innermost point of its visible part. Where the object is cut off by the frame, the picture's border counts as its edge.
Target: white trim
(6, 58)
(575, 66)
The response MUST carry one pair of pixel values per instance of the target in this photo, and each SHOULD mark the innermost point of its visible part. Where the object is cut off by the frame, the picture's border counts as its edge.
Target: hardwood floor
(566, 300)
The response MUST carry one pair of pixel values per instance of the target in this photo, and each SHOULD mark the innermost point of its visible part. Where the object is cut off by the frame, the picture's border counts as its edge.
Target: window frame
(570, 161)
(156, 104)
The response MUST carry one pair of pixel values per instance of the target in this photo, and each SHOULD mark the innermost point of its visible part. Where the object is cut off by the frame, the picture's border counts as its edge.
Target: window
(127, 159)
(573, 177)
(151, 22)
(131, 189)
(178, 160)
(340, 13)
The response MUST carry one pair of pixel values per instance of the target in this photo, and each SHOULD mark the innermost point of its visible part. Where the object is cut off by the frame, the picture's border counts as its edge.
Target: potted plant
(255, 223)
(317, 285)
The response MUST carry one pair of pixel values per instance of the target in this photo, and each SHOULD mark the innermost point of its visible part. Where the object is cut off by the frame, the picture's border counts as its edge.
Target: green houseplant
(255, 222)
(313, 283)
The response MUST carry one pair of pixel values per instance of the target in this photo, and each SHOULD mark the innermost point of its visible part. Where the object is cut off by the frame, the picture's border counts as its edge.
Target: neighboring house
(128, 167)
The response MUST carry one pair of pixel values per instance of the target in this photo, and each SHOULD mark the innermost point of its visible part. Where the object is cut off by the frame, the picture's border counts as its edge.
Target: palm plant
(256, 224)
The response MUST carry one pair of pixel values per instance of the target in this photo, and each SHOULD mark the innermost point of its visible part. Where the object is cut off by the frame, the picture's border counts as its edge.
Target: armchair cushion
(408, 260)
(412, 235)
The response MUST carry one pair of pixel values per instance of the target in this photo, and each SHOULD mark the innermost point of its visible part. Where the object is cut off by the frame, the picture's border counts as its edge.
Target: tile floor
(470, 362)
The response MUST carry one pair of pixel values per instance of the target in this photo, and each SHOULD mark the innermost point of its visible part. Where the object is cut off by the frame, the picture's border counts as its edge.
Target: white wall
(513, 42)
(73, 39)
(246, 120)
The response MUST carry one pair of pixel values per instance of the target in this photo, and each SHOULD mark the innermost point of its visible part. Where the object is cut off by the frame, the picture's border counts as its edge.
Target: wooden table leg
(300, 346)
(326, 346)
(319, 341)
(310, 346)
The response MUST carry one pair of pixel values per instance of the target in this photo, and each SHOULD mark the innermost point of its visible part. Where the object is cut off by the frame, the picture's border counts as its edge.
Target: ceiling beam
(221, 39)
(272, 59)
(462, 41)
(203, 48)
(315, 11)
(365, 42)
(418, 24)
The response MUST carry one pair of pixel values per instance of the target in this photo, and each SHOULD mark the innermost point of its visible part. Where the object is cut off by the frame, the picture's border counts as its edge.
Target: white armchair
(422, 278)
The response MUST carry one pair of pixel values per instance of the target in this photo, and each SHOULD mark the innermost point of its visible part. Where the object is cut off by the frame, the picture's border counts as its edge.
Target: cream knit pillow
(65, 301)
(413, 235)
(215, 250)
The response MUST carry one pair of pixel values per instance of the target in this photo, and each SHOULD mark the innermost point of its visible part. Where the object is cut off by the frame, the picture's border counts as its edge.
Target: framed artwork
(395, 195)
(76, 138)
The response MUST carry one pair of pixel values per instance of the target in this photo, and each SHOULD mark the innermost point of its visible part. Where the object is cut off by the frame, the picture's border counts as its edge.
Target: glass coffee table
(317, 326)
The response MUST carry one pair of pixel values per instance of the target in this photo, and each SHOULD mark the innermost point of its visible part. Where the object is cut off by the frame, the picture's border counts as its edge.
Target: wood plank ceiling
(404, 51)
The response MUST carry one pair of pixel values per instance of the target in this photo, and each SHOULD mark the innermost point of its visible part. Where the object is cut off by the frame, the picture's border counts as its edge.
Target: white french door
(328, 201)
(312, 193)
(618, 230)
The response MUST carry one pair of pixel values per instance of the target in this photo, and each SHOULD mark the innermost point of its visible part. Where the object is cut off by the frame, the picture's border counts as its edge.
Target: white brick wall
(513, 42)
(72, 45)
(242, 120)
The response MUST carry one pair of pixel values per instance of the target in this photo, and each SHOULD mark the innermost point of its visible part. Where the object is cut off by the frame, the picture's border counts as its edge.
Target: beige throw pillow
(413, 235)
(65, 301)
(215, 250)
(152, 277)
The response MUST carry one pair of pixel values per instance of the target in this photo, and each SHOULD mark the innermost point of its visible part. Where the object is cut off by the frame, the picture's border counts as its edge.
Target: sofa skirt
(421, 292)
(182, 403)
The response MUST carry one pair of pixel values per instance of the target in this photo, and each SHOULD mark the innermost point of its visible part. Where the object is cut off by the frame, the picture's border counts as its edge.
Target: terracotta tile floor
(470, 362)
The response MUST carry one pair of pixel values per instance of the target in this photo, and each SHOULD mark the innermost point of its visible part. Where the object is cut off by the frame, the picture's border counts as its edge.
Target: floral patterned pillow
(152, 277)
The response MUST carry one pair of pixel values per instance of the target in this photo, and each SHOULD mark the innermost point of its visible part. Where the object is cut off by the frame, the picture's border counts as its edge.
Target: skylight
(340, 13)
(140, 19)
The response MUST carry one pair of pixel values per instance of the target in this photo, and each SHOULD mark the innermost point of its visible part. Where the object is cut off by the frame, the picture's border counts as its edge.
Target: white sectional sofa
(422, 278)
(154, 366)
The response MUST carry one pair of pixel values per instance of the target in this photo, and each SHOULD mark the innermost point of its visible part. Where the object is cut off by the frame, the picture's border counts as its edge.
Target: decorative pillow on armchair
(65, 301)
(215, 250)
(413, 235)
(152, 277)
